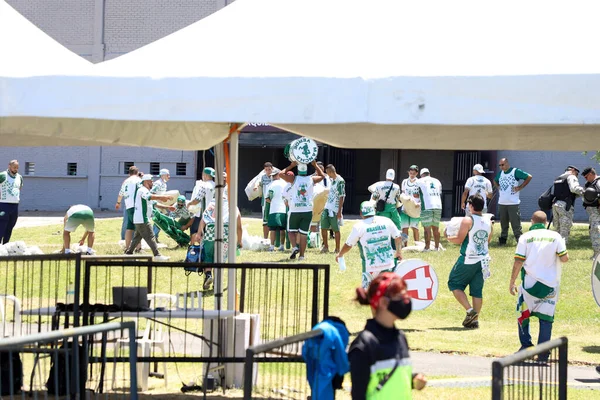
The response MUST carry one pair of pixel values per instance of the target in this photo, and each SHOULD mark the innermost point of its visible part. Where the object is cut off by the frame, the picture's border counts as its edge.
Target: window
(154, 168)
(181, 169)
(29, 168)
(126, 166)
(72, 168)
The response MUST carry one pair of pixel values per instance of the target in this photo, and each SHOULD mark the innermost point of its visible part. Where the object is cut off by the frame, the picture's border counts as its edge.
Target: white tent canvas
(384, 74)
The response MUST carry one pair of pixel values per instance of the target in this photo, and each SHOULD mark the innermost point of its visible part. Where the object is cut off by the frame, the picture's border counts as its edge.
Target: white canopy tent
(349, 73)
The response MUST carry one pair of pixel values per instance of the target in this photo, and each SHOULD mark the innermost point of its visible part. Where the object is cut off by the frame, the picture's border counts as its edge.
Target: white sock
(470, 309)
(67, 251)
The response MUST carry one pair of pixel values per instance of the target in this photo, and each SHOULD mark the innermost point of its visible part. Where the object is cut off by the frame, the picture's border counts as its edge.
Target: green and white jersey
(127, 191)
(10, 187)
(480, 185)
(181, 213)
(379, 191)
(508, 181)
(374, 237)
(300, 194)
(276, 195)
(431, 193)
(337, 190)
(209, 217)
(204, 192)
(80, 211)
(475, 246)
(159, 187)
(411, 188)
(143, 207)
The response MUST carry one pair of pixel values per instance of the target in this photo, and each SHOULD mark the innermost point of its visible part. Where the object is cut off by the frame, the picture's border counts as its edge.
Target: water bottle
(70, 293)
(341, 221)
(342, 264)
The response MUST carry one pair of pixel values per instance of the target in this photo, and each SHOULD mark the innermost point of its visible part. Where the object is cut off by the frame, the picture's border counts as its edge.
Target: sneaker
(208, 280)
(301, 258)
(426, 250)
(271, 248)
(161, 258)
(471, 317)
(90, 252)
(325, 250)
(295, 251)
(472, 325)
(281, 248)
(502, 243)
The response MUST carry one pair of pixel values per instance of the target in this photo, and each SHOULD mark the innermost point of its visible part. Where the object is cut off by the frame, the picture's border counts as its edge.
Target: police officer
(566, 190)
(591, 204)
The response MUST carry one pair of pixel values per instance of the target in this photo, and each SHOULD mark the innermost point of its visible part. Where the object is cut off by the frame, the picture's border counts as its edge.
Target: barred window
(29, 168)
(181, 169)
(126, 166)
(72, 169)
(154, 168)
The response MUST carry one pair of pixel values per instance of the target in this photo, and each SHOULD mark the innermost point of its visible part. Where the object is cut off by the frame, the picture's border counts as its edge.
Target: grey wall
(544, 166)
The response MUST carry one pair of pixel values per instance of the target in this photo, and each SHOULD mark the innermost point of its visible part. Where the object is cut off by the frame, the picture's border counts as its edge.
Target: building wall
(544, 166)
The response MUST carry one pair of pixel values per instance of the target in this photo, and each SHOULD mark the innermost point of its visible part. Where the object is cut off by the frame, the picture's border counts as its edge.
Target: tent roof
(470, 74)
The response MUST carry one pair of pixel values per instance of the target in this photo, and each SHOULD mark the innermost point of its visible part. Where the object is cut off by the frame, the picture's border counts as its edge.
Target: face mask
(399, 308)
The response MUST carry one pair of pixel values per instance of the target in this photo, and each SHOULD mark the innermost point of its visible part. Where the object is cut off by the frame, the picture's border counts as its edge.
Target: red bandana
(383, 286)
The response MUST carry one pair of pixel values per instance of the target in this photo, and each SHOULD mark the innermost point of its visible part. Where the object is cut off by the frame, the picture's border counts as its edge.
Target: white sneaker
(161, 258)
(301, 258)
(426, 250)
(281, 248)
(271, 248)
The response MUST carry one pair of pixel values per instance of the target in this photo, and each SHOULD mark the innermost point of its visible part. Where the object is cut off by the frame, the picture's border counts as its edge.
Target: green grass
(438, 328)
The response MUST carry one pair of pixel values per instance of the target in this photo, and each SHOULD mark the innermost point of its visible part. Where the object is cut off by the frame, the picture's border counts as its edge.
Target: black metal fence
(57, 363)
(276, 370)
(538, 373)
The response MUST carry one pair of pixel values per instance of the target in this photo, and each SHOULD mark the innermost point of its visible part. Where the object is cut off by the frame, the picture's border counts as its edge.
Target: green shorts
(209, 251)
(299, 222)
(328, 222)
(265, 211)
(130, 225)
(408, 222)
(431, 218)
(463, 275)
(277, 221)
(85, 219)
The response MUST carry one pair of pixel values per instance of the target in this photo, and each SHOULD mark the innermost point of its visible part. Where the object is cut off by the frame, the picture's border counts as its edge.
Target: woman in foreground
(380, 364)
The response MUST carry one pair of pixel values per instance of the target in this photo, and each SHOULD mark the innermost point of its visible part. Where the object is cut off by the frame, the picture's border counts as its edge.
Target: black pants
(9, 213)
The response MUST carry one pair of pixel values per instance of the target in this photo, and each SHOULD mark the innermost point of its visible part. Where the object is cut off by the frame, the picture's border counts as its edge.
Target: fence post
(132, 359)
(248, 373)
(315, 297)
(327, 270)
(497, 380)
(562, 368)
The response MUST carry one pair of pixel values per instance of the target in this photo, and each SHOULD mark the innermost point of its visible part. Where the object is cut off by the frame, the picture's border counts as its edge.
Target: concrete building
(99, 30)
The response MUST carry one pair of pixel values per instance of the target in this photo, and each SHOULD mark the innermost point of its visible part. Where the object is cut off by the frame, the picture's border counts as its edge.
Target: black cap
(587, 170)
(573, 168)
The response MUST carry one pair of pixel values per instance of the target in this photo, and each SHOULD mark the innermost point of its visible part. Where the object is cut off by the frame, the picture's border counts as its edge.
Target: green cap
(181, 198)
(367, 208)
(209, 171)
(414, 168)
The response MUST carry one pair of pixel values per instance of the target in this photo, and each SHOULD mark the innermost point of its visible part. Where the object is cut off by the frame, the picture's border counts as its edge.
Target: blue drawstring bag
(195, 255)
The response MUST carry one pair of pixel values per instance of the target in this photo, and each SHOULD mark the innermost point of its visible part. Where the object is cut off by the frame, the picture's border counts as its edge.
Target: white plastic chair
(153, 332)
(9, 329)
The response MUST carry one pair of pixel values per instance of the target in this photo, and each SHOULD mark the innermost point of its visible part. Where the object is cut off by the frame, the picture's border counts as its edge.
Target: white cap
(390, 174)
(164, 171)
(146, 177)
(478, 168)
(424, 171)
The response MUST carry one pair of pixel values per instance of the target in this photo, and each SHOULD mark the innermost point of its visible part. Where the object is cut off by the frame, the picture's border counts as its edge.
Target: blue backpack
(195, 255)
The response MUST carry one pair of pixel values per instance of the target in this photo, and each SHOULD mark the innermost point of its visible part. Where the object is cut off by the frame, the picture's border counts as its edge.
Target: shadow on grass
(591, 349)
(450, 328)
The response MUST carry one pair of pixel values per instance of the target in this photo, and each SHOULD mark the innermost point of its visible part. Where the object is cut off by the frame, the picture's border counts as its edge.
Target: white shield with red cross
(421, 281)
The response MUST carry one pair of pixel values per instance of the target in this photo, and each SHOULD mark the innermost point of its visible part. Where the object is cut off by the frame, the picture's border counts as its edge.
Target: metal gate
(463, 169)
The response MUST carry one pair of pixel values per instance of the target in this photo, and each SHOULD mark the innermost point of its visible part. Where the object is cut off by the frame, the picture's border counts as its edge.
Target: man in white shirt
(375, 235)
(203, 194)
(388, 193)
(538, 259)
(410, 187)
(265, 181)
(160, 187)
(127, 194)
(300, 202)
(477, 184)
(472, 266)
(77, 215)
(332, 214)
(277, 220)
(142, 214)
(431, 208)
(510, 181)
(320, 194)
(11, 183)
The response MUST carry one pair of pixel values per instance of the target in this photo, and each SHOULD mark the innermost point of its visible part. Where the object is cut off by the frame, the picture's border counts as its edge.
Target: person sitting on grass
(380, 365)
(79, 215)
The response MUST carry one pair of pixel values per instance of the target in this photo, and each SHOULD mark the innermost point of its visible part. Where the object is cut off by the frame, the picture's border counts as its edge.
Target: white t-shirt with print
(480, 185)
(379, 191)
(143, 206)
(431, 193)
(374, 235)
(127, 191)
(541, 249)
(300, 194)
(204, 192)
(410, 187)
(10, 188)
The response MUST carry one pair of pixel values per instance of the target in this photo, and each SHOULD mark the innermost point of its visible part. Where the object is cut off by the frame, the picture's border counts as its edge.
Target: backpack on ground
(6, 359)
(194, 256)
(546, 200)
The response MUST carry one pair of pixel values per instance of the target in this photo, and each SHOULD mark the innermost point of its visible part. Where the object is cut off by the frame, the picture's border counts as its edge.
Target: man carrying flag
(538, 260)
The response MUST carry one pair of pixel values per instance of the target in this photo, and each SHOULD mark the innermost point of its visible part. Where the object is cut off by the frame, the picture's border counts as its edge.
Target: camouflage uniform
(563, 219)
(594, 215)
